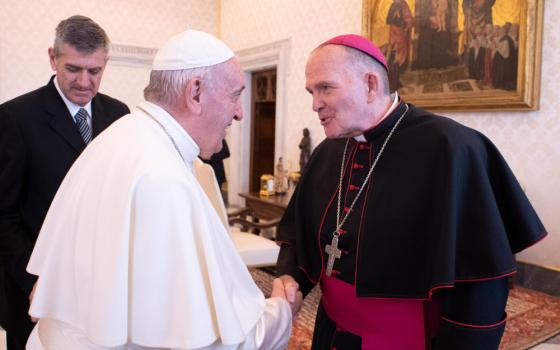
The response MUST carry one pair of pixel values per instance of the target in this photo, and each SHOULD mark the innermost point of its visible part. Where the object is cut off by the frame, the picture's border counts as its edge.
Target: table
(266, 207)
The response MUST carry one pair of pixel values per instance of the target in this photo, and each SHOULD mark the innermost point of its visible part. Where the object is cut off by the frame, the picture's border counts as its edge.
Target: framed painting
(460, 55)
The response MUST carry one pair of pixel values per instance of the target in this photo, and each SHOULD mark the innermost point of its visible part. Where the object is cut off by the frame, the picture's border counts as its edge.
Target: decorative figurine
(305, 147)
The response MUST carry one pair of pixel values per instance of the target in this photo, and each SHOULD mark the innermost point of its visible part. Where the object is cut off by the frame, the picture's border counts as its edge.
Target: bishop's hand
(288, 287)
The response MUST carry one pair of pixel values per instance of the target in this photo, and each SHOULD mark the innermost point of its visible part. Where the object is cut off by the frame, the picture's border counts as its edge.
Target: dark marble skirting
(538, 278)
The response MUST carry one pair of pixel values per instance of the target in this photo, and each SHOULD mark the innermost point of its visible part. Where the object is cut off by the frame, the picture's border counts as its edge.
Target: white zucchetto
(191, 49)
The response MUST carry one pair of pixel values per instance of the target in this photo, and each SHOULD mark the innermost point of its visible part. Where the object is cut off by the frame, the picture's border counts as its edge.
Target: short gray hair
(82, 33)
(360, 61)
(166, 86)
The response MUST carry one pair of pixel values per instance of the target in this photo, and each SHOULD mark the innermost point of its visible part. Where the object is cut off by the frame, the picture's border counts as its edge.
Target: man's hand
(33, 319)
(286, 287)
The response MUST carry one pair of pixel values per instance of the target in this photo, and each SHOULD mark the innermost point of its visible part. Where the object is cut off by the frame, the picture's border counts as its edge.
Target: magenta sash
(383, 324)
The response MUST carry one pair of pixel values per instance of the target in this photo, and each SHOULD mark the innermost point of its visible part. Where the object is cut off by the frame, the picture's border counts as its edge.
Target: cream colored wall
(27, 30)
(528, 140)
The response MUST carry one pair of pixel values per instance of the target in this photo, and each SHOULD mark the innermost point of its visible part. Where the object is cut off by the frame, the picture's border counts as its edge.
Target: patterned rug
(532, 316)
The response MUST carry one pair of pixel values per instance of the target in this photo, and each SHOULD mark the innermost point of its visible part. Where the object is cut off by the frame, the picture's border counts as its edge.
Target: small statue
(305, 147)
(280, 177)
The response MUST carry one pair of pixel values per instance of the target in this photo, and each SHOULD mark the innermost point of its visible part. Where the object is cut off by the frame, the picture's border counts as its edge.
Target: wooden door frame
(258, 58)
(254, 133)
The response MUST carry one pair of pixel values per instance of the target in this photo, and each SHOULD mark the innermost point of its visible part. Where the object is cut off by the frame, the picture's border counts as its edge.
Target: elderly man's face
(78, 73)
(222, 106)
(339, 94)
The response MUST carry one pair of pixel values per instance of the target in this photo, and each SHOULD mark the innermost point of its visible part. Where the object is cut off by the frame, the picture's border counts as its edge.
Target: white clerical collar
(362, 138)
(72, 107)
(188, 149)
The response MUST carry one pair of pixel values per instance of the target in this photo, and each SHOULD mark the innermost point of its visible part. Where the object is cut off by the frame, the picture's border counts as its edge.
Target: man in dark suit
(41, 135)
(217, 163)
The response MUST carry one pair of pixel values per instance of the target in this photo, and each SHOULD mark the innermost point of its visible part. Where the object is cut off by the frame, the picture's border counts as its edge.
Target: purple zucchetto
(359, 43)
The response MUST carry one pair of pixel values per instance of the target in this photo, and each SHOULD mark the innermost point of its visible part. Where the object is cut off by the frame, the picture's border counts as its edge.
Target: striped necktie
(83, 126)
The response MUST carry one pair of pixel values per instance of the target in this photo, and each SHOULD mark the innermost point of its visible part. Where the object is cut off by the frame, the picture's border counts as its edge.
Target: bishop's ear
(372, 83)
(192, 95)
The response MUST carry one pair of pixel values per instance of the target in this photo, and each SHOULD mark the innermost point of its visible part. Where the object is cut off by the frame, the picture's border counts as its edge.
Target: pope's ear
(192, 95)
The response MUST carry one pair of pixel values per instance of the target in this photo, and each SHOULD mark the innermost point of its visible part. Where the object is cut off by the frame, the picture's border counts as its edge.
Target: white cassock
(133, 255)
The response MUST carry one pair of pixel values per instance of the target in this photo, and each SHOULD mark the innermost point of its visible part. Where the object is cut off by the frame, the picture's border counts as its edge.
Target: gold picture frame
(460, 55)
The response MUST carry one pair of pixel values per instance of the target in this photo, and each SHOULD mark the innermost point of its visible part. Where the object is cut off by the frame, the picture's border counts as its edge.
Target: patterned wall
(528, 140)
(27, 30)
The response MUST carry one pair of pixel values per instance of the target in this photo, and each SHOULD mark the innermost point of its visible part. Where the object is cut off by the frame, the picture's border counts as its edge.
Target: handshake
(287, 288)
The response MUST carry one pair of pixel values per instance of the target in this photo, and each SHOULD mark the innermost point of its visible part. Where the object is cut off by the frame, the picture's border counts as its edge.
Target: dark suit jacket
(39, 142)
(217, 163)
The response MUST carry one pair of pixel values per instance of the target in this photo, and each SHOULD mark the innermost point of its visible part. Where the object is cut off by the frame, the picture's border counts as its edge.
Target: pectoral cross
(333, 252)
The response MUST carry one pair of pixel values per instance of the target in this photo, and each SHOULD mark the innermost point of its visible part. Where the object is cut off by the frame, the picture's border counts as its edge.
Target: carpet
(532, 316)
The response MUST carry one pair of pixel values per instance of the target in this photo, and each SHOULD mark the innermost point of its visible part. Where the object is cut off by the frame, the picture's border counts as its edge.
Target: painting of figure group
(453, 34)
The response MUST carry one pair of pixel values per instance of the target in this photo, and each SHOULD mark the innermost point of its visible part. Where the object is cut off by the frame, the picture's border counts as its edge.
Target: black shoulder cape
(442, 206)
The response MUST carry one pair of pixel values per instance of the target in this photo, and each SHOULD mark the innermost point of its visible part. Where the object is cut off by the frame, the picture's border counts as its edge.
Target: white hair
(167, 86)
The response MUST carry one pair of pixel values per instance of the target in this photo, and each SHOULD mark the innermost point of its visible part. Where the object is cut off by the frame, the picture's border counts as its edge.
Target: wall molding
(131, 55)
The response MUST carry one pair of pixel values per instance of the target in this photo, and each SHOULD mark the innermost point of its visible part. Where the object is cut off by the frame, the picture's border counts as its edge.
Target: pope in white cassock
(132, 254)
